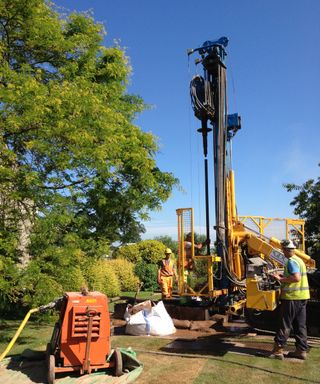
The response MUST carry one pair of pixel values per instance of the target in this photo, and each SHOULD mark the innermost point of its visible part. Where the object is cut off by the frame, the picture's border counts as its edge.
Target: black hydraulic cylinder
(207, 205)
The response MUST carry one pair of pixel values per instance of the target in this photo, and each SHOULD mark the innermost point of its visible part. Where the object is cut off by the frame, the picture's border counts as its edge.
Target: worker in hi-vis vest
(166, 272)
(294, 296)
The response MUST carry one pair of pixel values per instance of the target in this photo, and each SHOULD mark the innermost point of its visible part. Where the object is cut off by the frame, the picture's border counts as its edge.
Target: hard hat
(287, 244)
(168, 250)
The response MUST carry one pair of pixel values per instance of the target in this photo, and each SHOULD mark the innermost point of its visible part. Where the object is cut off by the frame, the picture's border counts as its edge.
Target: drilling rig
(239, 273)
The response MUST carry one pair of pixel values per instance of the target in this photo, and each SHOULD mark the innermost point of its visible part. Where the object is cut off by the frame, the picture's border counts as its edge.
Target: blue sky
(273, 70)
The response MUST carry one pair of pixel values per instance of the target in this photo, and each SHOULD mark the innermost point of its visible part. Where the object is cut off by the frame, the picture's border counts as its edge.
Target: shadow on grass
(216, 345)
(22, 340)
(32, 364)
(35, 370)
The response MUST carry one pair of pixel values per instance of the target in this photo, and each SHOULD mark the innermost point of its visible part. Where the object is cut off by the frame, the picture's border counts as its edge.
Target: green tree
(307, 206)
(168, 242)
(72, 160)
(67, 122)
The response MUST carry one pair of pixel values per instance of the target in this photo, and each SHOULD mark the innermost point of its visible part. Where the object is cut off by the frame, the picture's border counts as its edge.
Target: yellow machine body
(260, 299)
(239, 234)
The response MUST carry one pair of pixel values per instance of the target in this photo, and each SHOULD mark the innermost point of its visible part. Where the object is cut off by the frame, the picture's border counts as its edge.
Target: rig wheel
(48, 352)
(51, 367)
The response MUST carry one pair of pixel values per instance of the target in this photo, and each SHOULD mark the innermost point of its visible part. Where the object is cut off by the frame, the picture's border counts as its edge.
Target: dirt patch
(196, 329)
(207, 338)
(217, 345)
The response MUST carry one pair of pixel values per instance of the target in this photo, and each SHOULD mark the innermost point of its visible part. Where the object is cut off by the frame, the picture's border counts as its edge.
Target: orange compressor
(81, 338)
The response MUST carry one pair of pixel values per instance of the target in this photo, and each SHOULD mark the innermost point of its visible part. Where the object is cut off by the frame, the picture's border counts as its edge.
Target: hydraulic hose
(14, 339)
(43, 308)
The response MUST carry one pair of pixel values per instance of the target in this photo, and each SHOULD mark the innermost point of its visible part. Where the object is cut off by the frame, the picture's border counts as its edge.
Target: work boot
(298, 354)
(277, 352)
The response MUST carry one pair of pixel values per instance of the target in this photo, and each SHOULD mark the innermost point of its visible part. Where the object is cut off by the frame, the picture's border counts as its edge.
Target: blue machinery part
(233, 125)
(210, 47)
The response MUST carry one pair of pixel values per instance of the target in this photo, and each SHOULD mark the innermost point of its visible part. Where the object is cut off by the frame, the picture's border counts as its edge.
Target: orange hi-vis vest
(166, 267)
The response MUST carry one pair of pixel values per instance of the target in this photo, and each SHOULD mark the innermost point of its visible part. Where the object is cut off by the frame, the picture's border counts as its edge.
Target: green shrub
(46, 290)
(9, 276)
(128, 252)
(38, 288)
(101, 277)
(58, 267)
(147, 273)
(151, 251)
(146, 256)
(124, 270)
(71, 279)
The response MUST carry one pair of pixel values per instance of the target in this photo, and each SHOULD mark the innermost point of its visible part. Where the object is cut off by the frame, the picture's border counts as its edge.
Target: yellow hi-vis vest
(299, 290)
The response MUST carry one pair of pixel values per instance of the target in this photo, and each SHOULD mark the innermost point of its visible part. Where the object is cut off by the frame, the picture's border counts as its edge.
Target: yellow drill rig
(239, 272)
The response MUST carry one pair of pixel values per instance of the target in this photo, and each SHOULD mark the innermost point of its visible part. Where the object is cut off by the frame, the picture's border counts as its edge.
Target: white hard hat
(167, 251)
(287, 244)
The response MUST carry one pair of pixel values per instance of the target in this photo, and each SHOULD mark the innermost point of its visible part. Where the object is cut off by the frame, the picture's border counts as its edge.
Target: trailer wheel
(51, 367)
(118, 368)
(48, 352)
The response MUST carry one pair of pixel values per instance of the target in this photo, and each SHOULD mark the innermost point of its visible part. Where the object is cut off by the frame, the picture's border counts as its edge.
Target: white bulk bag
(154, 322)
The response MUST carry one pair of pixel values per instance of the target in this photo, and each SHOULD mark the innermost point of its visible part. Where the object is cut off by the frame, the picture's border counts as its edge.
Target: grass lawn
(34, 336)
(228, 368)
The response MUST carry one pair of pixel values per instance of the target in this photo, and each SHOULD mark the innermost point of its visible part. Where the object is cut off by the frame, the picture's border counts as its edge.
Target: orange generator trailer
(81, 338)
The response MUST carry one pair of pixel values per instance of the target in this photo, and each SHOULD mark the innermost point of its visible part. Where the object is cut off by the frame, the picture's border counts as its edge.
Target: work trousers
(166, 286)
(292, 317)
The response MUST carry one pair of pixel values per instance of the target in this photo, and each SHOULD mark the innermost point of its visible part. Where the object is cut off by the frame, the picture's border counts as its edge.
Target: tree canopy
(307, 206)
(168, 242)
(75, 171)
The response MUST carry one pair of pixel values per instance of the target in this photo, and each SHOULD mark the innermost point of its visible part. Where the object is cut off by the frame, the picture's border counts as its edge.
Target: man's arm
(294, 278)
(294, 271)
